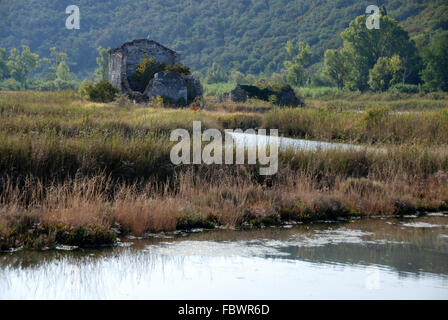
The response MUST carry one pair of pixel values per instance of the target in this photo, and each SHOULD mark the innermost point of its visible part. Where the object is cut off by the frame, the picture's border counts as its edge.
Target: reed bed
(79, 173)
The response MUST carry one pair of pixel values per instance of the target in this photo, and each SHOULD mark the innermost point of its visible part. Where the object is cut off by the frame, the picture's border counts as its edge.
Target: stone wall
(123, 62)
(168, 85)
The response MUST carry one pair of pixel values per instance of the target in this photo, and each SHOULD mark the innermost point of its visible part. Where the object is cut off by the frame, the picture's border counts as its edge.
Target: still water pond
(365, 259)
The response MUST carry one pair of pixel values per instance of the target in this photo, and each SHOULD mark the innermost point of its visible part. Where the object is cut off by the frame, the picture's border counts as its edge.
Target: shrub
(273, 99)
(178, 69)
(146, 69)
(329, 207)
(275, 86)
(57, 85)
(195, 221)
(10, 85)
(266, 91)
(404, 88)
(102, 91)
(158, 102)
(122, 100)
(375, 116)
(83, 88)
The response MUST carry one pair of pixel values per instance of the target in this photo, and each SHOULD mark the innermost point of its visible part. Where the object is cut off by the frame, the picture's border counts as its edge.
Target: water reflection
(252, 140)
(362, 259)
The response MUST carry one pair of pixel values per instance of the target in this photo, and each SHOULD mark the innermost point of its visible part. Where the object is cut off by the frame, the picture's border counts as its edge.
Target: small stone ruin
(123, 62)
(284, 97)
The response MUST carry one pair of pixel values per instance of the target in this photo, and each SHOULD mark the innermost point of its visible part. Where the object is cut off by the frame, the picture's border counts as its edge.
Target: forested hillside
(247, 35)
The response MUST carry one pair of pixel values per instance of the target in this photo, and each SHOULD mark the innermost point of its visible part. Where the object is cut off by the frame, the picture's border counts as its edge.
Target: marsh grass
(311, 186)
(375, 125)
(250, 106)
(72, 164)
(331, 94)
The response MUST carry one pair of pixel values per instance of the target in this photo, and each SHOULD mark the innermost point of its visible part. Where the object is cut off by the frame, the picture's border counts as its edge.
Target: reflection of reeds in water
(72, 275)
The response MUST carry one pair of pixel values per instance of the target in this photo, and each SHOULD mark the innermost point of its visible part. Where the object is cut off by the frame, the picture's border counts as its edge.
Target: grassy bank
(374, 125)
(77, 173)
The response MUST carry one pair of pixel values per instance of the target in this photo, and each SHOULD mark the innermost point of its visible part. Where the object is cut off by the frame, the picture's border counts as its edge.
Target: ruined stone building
(123, 62)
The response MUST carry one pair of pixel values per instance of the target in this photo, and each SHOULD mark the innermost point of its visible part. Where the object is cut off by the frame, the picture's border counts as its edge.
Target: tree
(56, 59)
(4, 70)
(385, 73)
(367, 46)
(10, 84)
(237, 77)
(295, 68)
(336, 66)
(63, 72)
(102, 72)
(20, 64)
(215, 74)
(435, 58)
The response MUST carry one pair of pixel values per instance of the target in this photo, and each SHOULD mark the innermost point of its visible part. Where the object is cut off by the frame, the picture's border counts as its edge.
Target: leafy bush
(102, 91)
(272, 91)
(10, 85)
(56, 85)
(273, 85)
(83, 88)
(329, 207)
(195, 221)
(158, 102)
(386, 72)
(375, 116)
(148, 67)
(178, 69)
(405, 88)
(122, 100)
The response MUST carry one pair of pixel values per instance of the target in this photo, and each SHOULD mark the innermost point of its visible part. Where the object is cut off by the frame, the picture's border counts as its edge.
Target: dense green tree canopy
(435, 73)
(4, 70)
(246, 35)
(102, 72)
(216, 74)
(63, 72)
(385, 73)
(22, 63)
(391, 39)
(299, 57)
(336, 66)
